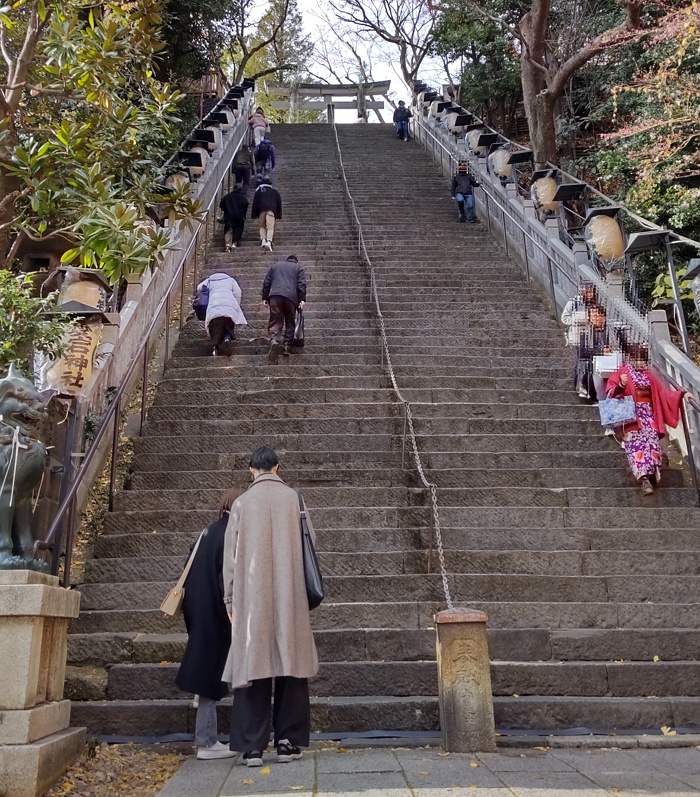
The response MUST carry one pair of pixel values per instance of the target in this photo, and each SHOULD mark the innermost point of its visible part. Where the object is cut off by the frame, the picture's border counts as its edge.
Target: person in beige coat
(271, 637)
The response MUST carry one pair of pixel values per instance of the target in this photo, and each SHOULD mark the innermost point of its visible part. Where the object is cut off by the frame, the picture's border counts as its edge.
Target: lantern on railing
(542, 190)
(605, 238)
(499, 161)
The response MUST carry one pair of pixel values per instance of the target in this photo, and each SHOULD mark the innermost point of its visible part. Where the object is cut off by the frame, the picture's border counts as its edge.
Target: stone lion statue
(22, 461)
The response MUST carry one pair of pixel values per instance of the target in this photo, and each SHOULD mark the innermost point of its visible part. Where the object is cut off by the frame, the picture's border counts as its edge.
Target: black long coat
(206, 618)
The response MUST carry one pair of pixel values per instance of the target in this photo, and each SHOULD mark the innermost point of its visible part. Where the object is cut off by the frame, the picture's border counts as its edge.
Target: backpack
(264, 151)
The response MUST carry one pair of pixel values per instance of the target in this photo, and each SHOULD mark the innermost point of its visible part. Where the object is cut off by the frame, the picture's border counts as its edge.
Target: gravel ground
(119, 770)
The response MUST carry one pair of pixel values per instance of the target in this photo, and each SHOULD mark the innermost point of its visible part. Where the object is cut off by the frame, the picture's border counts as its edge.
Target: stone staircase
(584, 581)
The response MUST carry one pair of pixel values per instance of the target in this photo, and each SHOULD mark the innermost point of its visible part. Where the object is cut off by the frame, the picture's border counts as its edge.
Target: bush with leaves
(85, 130)
(25, 326)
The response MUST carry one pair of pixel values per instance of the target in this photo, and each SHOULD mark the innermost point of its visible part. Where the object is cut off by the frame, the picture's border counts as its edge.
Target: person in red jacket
(657, 407)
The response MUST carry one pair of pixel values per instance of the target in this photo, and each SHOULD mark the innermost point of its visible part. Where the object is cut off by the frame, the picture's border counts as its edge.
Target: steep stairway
(584, 581)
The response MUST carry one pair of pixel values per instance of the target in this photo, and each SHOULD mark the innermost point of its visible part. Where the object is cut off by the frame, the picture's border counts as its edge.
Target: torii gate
(327, 91)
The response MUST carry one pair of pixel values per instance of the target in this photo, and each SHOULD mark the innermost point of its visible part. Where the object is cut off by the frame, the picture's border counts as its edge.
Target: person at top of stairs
(271, 636)
(234, 206)
(208, 632)
(463, 185)
(265, 158)
(401, 117)
(267, 206)
(284, 291)
(223, 311)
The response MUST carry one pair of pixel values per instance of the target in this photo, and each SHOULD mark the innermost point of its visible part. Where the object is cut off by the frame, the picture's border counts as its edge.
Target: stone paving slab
(429, 772)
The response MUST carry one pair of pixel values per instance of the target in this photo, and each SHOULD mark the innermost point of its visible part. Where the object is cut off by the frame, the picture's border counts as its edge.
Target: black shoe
(286, 751)
(287, 350)
(253, 759)
(462, 218)
(273, 354)
(226, 346)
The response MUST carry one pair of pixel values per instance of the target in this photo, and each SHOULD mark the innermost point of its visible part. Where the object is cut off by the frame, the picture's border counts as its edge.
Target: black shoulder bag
(312, 572)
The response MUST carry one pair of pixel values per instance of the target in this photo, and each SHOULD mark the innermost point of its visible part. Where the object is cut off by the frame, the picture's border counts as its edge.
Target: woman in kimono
(657, 407)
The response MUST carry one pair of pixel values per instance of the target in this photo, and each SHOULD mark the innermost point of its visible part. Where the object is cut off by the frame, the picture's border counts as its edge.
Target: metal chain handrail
(386, 356)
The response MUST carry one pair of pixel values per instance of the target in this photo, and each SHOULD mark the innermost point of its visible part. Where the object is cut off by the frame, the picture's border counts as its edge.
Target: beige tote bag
(172, 603)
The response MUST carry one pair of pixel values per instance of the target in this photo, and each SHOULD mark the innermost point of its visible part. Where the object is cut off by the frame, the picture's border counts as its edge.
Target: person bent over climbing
(463, 185)
(284, 291)
(264, 158)
(267, 207)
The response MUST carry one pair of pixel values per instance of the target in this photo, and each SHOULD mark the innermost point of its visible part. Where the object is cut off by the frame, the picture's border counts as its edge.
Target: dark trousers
(241, 174)
(250, 715)
(282, 317)
(219, 327)
(233, 232)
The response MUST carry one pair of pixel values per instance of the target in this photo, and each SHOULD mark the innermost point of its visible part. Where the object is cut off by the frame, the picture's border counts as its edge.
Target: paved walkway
(428, 772)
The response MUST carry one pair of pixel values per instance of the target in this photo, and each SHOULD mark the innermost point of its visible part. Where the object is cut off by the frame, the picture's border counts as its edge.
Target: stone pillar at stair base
(36, 744)
(464, 682)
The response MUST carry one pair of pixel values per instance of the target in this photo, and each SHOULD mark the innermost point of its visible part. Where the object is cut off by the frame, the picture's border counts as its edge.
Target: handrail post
(432, 535)
(167, 333)
(691, 456)
(403, 444)
(551, 284)
(115, 451)
(144, 389)
(70, 531)
(182, 294)
(65, 483)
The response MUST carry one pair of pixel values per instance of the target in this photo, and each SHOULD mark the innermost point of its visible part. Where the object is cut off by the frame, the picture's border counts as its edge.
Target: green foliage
(663, 287)
(83, 150)
(195, 34)
(24, 327)
(490, 65)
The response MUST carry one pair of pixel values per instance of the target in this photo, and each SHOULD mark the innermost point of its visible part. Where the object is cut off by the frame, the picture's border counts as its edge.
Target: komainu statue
(22, 461)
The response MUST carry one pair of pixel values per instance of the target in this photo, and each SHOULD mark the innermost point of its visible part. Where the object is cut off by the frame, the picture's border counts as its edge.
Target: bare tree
(407, 24)
(245, 43)
(544, 78)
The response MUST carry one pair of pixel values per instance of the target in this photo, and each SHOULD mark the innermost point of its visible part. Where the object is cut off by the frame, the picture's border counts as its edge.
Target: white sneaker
(269, 245)
(263, 244)
(217, 750)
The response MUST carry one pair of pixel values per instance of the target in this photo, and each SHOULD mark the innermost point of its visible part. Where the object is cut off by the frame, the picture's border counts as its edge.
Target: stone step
(416, 644)
(348, 540)
(571, 615)
(366, 410)
(456, 477)
(402, 562)
(422, 588)
(378, 712)
(450, 497)
(392, 423)
(150, 521)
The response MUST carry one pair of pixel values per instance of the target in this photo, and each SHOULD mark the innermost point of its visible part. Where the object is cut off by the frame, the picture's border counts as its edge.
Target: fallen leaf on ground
(541, 748)
(247, 782)
(297, 788)
(265, 771)
(341, 750)
(616, 790)
(424, 773)
(666, 730)
(473, 764)
(656, 658)
(443, 755)
(516, 695)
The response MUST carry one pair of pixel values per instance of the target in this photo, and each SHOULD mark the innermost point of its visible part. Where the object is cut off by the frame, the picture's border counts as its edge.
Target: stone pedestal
(464, 682)
(36, 744)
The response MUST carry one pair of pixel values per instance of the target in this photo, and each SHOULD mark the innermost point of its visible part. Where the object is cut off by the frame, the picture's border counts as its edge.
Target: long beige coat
(264, 587)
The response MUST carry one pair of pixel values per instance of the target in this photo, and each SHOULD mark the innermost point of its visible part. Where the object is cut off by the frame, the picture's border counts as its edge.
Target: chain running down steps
(390, 370)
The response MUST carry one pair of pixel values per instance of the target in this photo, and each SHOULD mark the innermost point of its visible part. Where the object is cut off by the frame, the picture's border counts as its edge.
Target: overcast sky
(381, 69)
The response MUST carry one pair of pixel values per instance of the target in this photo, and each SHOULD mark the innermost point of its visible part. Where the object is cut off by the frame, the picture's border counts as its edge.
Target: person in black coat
(235, 206)
(267, 206)
(284, 290)
(463, 185)
(209, 632)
